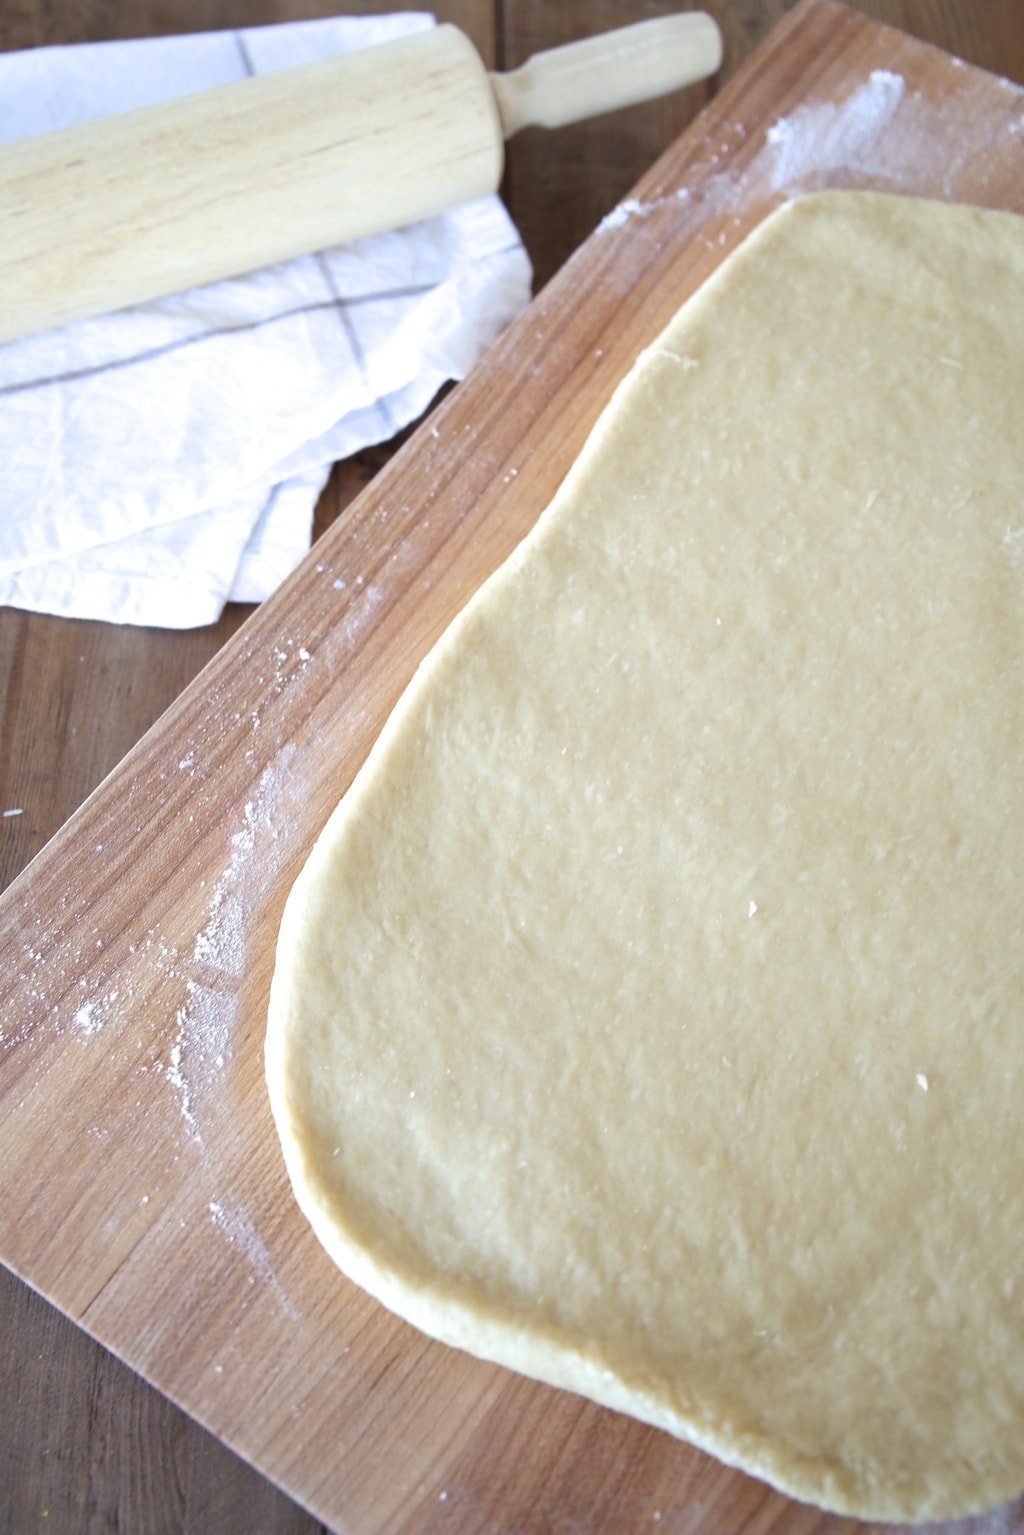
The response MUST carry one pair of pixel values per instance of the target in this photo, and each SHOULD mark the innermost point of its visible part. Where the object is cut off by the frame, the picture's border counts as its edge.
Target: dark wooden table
(85, 1445)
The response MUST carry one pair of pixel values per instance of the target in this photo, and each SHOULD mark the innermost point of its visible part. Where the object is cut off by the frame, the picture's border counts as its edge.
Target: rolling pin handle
(615, 69)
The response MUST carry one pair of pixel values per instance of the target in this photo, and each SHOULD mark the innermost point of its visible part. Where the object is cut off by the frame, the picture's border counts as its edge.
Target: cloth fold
(158, 462)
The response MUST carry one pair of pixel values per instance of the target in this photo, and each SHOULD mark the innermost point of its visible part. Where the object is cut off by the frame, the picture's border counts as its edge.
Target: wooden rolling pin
(128, 208)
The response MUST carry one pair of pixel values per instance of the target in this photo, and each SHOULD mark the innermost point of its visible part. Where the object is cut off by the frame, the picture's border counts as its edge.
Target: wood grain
(142, 1465)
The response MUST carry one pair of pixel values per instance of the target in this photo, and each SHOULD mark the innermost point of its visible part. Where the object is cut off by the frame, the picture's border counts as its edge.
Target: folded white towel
(159, 462)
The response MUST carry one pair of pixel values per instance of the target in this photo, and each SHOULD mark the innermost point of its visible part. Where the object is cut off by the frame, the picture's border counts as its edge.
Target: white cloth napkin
(158, 462)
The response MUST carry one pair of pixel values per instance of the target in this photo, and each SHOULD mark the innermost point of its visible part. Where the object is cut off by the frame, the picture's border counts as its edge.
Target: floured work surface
(143, 1187)
(650, 1015)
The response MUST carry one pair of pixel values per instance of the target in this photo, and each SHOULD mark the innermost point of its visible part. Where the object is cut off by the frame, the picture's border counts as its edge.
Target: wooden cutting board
(143, 1190)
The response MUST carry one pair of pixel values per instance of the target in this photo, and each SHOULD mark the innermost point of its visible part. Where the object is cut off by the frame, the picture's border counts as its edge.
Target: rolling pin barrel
(150, 202)
(126, 209)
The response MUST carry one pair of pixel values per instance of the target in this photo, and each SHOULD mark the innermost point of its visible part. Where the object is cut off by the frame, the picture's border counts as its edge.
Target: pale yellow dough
(649, 1017)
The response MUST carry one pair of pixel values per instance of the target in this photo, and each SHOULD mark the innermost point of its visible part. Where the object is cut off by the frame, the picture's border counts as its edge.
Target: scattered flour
(202, 1046)
(285, 654)
(633, 208)
(811, 148)
(824, 137)
(242, 1235)
(887, 136)
(60, 987)
(881, 134)
(205, 1020)
(359, 612)
(622, 213)
(64, 1001)
(87, 1018)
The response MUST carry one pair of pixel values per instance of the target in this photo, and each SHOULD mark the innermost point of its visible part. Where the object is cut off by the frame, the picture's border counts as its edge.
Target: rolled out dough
(649, 1017)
